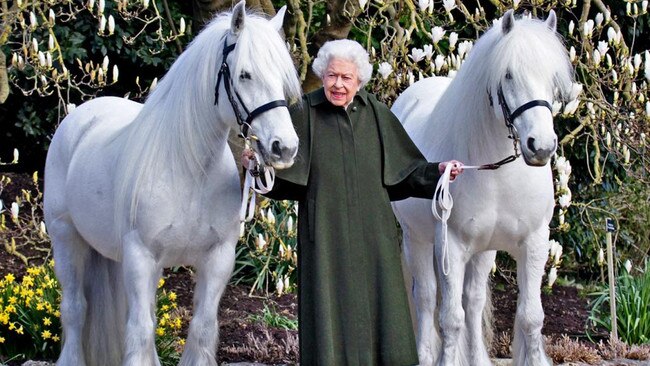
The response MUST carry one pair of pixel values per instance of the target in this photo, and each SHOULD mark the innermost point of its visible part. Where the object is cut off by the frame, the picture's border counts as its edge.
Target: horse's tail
(105, 312)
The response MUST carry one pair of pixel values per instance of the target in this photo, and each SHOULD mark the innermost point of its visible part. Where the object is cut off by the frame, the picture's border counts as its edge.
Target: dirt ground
(245, 340)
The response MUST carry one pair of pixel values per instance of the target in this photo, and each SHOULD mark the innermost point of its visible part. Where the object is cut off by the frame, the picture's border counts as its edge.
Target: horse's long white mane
(531, 48)
(178, 125)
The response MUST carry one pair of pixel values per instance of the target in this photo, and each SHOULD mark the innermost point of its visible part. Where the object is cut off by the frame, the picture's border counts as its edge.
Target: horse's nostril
(531, 144)
(276, 149)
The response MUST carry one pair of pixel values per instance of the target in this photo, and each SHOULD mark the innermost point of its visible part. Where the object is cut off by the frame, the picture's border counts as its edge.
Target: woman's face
(341, 82)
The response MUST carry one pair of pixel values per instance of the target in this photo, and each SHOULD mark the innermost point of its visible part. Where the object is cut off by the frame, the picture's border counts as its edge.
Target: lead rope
(253, 184)
(443, 202)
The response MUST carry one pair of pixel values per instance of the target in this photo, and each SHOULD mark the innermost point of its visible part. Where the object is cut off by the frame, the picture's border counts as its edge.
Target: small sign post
(612, 280)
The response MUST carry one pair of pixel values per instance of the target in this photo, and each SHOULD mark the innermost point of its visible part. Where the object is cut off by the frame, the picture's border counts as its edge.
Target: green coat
(353, 307)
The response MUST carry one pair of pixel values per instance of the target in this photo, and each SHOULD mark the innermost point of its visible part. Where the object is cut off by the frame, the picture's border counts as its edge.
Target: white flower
(608, 139)
(449, 5)
(242, 229)
(428, 51)
(290, 224)
(557, 105)
(601, 257)
(32, 20)
(464, 48)
(385, 69)
(48, 59)
(154, 83)
(558, 255)
(552, 276)
(628, 265)
(111, 24)
(279, 286)
(553, 247)
(50, 42)
(588, 28)
(572, 54)
(41, 229)
(100, 7)
(51, 16)
(145, 3)
(611, 35)
(647, 109)
(16, 155)
(572, 25)
(609, 60)
(436, 34)
(286, 283)
(41, 59)
(453, 39)
(181, 28)
(102, 24)
(599, 19)
(614, 76)
(576, 90)
(644, 6)
(15, 210)
(417, 54)
(35, 45)
(270, 217)
(105, 63)
(602, 47)
(560, 163)
(91, 4)
(596, 57)
(563, 181)
(362, 4)
(260, 242)
(116, 73)
(494, 267)
(422, 4)
(637, 61)
(561, 218)
(571, 107)
(439, 62)
(565, 200)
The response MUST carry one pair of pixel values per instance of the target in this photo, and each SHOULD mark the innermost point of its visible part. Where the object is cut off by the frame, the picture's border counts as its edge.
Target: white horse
(131, 189)
(505, 87)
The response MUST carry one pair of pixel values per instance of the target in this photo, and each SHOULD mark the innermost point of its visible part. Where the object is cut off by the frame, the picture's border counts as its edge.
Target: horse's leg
(450, 269)
(474, 301)
(141, 275)
(419, 255)
(528, 344)
(213, 274)
(70, 254)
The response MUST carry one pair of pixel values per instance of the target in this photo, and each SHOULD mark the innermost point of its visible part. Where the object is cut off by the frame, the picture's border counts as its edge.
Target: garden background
(56, 54)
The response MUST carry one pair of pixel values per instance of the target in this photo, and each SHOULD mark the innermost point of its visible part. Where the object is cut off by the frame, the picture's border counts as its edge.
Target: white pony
(131, 189)
(505, 87)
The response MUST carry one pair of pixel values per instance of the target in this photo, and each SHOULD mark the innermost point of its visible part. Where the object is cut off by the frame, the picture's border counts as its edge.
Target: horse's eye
(508, 76)
(245, 75)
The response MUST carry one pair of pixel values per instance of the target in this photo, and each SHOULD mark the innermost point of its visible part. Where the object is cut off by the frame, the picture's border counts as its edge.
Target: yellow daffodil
(10, 278)
(172, 296)
(160, 331)
(47, 321)
(56, 338)
(46, 334)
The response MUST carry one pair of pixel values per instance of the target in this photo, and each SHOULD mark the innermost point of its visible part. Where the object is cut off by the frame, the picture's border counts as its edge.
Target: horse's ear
(508, 21)
(238, 17)
(551, 21)
(278, 19)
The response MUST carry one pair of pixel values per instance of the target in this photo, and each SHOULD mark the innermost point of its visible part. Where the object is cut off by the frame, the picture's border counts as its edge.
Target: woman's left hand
(456, 169)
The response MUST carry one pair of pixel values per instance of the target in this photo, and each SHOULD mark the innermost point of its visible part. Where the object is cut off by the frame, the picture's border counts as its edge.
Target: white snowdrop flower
(576, 90)
(70, 107)
(596, 57)
(588, 28)
(116, 73)
(48, 59)
(154, 83)
(15, 210)
(599, 19)
(602, 47)
(558, 255)
(260, 242)
(50, 42)
(181, 28)
(105, 63)
(41, 59)
(422, 4)
(571, 107)
(464, 48)
(279, 286)
(601, 257)
(572, 26)
(628, 265)
(611, 35)
(439, 62)
(290, 224)
(637, 62)
(436, 34)
(553, 247)
(33, 23)
(270, 217)
(564, 200)
(35, 45)
(41, 229)
(111, 24)
(614, 76)
(428, 51)
(242, 229)
(453, 39)
(572, 54)
(100, 7)
(16, 156)
(51, 17)
(417, 55)
(102, 24)
(449, 5)
(608, 59)
(384, 69)
(557, 106)
(552, 276)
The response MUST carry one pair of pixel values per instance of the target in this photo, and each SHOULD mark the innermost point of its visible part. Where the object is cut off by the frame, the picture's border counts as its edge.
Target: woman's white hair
(344, 49)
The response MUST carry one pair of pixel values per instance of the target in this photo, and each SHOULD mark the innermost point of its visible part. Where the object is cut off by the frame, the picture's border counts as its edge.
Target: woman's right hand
(247, 155)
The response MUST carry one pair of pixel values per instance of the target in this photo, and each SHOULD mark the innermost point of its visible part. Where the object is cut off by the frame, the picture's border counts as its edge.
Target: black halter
(244, 124)
(509, 119)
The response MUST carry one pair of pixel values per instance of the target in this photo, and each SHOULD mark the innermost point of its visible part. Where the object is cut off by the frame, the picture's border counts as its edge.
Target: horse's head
(256, 78)
(534, 69)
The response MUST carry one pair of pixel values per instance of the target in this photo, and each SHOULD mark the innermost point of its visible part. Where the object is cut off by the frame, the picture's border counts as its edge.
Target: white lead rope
(252, 186)
(441, 206)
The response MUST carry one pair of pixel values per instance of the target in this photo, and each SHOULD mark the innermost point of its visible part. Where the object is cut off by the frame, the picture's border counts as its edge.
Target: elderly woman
(354, 158)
